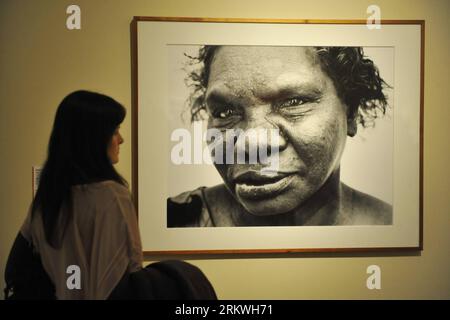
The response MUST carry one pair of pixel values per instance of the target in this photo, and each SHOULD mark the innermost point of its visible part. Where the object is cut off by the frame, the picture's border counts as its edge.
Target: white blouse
(102, 238)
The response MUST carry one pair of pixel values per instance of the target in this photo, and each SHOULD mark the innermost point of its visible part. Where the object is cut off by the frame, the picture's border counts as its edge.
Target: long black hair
(77, 154)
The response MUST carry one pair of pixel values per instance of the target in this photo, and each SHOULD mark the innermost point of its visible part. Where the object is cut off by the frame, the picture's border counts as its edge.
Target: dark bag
(26, 279)
(25, 276)
(166, 280)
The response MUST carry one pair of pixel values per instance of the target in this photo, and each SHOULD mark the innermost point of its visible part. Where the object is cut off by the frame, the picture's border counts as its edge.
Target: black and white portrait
(279, 136)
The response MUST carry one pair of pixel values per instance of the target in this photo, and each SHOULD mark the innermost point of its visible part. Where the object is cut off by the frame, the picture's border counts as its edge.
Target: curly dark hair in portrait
(355, 77)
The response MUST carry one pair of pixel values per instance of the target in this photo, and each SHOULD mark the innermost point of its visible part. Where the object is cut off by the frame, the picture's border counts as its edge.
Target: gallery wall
(41, 61)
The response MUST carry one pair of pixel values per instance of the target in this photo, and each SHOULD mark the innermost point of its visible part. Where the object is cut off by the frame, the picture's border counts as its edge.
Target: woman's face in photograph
(283, 88)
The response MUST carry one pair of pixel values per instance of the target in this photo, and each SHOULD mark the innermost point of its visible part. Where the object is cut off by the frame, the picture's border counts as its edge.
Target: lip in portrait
(330, 110)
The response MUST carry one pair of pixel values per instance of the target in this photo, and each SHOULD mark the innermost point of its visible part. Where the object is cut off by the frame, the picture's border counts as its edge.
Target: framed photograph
(277, 135)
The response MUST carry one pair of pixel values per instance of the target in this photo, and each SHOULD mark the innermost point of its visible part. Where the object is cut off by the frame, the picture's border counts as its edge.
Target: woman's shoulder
(105, 194)
(201, 207)
(186, 208)
(187, 197)
(106, 187)
(364, 209)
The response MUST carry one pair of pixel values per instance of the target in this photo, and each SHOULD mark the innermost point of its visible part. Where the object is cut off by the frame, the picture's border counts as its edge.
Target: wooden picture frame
(152, 43)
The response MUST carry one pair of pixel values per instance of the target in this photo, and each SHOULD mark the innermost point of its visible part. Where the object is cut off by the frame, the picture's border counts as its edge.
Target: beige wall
(41, 61)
